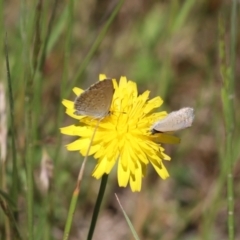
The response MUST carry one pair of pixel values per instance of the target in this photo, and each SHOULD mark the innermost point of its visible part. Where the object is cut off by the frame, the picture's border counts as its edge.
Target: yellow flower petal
(103, 166)
(102, 77)
(136, 180)
(78, 91)
(165, 138)
(73, 130)
(160, 169)
(68, 104)
(123, 175)
(124, 136)
(70, 112)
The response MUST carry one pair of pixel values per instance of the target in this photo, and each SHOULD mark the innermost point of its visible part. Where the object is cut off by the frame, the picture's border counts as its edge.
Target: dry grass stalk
(46, 173)
(3, 125)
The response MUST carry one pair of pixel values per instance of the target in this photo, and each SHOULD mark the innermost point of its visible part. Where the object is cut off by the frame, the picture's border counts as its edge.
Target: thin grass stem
(14, 189)
(60, 114)
(76, 191)
(3, 155)
(228, 111)
(13, 228)
(233, 43)
(231, 124)
(49, 30)
(127, 219)
(37, 38)
(27, 33)
(65, 73)
(96, 43)
(29, 154)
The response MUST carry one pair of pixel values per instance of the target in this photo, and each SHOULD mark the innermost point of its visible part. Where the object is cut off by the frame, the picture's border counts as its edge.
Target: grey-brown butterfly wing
(175, 121)
(96, 100)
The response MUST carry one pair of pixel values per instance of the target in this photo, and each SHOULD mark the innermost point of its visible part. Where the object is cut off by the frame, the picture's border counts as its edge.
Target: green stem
(231, 124)
(97, 206)
(14, 234)
(27, 33)
(77, 189)
(230, 186)
(67, 50)
(37, 35)
(96, 43)
(227, 93)
(59, 120)
(71, 211)
(49, 31)
(14, 190)
(29, 155)
(37, 43)
(233, 42)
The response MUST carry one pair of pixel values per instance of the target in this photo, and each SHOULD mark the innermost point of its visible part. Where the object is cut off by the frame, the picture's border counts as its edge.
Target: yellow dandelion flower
(123, 136)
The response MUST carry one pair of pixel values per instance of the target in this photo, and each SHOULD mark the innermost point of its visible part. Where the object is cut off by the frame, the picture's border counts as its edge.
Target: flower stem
(76, 192)
(227, 93)
(71, 213)
(97, 206)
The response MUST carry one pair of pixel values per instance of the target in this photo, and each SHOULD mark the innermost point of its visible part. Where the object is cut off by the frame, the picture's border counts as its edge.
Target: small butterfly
(96, 100)
(174, 121)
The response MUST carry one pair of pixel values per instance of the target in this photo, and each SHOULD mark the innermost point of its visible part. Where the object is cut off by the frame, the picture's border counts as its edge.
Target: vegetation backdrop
(187, 52)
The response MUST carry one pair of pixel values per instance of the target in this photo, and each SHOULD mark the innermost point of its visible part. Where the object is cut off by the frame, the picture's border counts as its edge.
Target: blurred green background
(167, 47)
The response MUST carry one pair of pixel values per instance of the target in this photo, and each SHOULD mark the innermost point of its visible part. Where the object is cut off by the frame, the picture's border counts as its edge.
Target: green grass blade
(228, 111)
(14, 189)
(96, 44)
(128, 220)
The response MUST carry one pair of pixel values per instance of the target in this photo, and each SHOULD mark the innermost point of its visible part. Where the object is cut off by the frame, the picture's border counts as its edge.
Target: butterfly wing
(96, 100)
(175, 121)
